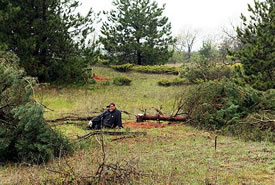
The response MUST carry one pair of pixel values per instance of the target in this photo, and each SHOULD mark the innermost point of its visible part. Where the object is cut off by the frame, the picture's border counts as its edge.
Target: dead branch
(102, 165)
(77, 114)
(122, 172)
(158, 110)
(71, 118)
(264, 121)
(126, 112)
(178, 105)
(143, 110)
(77, 118)
(115, 172)
(263, 124)
(110, 133)
(124, 137)
(45, 107)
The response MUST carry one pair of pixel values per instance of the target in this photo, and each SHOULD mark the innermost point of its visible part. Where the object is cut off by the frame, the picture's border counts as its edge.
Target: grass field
(173, 154)
(142, 94)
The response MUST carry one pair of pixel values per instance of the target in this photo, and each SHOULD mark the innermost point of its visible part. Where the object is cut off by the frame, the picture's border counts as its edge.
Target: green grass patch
(143, 93)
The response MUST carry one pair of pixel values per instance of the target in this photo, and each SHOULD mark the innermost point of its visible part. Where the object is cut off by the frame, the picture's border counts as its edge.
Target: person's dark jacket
(108, 119)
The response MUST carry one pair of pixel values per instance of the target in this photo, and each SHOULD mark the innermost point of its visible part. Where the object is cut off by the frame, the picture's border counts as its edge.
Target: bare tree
(180, 43)
(186, 39)
(229, 41)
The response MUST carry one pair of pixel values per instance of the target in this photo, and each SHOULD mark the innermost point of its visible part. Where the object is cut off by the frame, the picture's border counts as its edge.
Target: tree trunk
(138, 52)
(142, 117)
(139, 57)
(43, 54)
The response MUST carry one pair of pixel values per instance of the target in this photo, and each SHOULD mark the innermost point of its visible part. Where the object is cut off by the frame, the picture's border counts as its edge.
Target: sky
(207, 16)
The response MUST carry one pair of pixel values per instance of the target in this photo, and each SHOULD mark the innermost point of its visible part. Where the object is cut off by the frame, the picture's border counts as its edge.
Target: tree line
(53, 40)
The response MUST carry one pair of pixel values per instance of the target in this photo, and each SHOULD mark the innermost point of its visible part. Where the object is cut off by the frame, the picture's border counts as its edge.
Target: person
(110, 118)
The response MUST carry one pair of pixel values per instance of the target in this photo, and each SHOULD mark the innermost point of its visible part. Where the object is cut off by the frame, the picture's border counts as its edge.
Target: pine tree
(136, 32)
(258, 39)
(24, 135)
(47, 35)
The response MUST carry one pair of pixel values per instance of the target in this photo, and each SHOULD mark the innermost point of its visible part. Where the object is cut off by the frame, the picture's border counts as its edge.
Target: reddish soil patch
(99, 78)
(144, 125)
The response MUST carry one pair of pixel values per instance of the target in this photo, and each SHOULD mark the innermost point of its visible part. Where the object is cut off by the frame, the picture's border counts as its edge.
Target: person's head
(112, 107)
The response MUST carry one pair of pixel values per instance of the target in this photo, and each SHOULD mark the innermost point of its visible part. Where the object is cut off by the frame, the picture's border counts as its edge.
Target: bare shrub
(119, 172)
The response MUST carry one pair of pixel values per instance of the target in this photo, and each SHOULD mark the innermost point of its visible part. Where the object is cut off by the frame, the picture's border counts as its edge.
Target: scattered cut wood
(143, 117)
(111, 133)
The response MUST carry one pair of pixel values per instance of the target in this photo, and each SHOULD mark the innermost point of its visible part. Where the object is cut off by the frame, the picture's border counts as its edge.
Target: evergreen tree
(24, 135)
(47, 35)
(136, 32)
(258, 52)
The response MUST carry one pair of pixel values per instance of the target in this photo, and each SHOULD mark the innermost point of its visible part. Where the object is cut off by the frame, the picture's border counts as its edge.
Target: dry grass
(175, 154)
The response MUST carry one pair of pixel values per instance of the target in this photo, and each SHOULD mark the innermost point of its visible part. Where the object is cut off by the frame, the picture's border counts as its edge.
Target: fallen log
(111, 133)
(79, 118)
(71, 118)
(142, 117)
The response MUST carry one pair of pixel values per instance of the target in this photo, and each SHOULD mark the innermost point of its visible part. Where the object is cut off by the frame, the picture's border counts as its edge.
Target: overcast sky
(209, 16)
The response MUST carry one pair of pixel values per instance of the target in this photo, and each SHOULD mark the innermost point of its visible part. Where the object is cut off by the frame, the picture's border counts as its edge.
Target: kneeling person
(110, 118)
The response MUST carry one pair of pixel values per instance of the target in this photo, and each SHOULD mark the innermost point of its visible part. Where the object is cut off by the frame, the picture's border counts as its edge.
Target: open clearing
(168, 154)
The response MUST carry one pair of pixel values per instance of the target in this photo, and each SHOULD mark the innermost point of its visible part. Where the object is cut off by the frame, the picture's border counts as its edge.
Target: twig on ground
(110, 133)
(124, 137)
(46, 107)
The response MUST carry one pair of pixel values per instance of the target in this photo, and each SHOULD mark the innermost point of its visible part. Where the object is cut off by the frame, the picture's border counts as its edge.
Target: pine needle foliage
(257, 36)
(136, 32)
(224, 105)
(24, 135)
(49, 37)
